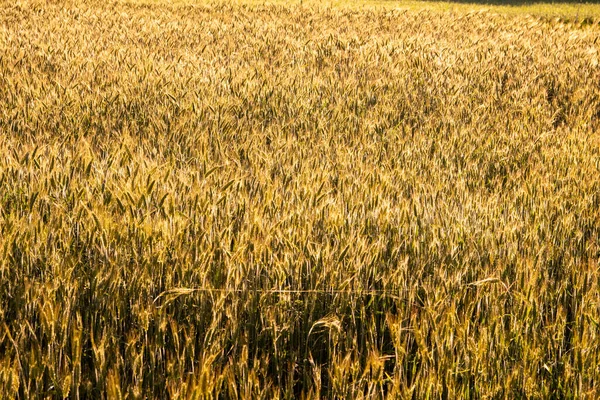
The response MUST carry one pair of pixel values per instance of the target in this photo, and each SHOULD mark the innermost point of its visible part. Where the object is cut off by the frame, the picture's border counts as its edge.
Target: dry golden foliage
(276, 201)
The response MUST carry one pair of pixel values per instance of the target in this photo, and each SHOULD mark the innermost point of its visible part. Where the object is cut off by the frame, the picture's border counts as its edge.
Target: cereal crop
(244, 200)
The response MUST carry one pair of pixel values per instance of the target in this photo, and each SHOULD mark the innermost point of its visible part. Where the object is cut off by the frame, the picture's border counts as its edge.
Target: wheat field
(252, 200)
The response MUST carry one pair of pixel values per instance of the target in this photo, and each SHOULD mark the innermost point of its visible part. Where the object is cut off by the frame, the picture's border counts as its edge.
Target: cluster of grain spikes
(287, 201)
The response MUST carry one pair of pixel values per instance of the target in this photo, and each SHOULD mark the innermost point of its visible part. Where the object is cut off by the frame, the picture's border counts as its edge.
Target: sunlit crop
(294, 201)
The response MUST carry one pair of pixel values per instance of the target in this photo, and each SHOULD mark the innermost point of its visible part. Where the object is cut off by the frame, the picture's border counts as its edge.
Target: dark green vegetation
(431, 180)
